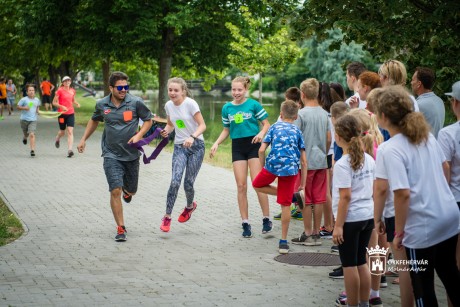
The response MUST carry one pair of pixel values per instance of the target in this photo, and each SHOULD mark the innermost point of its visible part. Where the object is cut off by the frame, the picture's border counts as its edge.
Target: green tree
(328, 64)
(254, 52)
(416, 32)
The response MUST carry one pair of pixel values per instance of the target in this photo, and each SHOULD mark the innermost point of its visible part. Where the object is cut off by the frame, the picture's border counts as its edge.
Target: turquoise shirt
(31, 114)
(243, 119)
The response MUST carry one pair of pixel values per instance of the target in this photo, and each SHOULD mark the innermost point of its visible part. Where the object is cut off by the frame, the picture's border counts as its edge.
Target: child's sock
(283, 241)
(246, 221)
(363, 304)
(374, 293)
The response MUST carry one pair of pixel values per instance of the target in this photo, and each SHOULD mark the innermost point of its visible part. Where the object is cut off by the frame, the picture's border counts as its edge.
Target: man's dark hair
(426, 76)
(356, 68)
(117, 75)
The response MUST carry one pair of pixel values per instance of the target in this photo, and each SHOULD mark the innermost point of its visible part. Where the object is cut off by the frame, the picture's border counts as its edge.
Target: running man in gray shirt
(120, 112)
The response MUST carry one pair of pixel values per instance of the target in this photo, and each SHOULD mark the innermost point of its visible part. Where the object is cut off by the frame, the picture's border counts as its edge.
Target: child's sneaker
(296, 215)
(165, 224)
(337, 273)
(126, 197)
(375, 302)
(277, 217)
(303, 239)
(324, 233)
(186, 214)
(341, 301)
(283, 247)
(267, 225)
(247, 233)
(121, 234)
(316, 239)
(334, 249)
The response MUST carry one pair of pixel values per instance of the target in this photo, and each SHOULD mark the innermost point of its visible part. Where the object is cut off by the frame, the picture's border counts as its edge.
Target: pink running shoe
(165, 224)
(187, 214)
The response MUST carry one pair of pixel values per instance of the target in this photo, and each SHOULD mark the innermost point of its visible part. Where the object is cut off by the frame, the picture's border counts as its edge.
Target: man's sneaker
(277, 217)
(267, 225)
(283, 247)
(337, 268)
(57, 143)
(165, 224)
(126, 197)
(32, 153)
(121, 234)
(336, 273)
(24, 141)
(296, 215)
(303, 239)
(383, 281)
(70, 154)
(247, 233)
(334, 249)
(187, 213)
(375, 302)
(324, 234)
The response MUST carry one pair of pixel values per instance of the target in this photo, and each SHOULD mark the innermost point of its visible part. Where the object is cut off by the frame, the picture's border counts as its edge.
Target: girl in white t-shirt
(427, 219)
(185, 118)
(353, 208)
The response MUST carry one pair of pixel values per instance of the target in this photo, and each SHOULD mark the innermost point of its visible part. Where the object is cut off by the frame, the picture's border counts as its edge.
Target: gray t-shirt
(433, 109)
(314, 124)
(120, 125)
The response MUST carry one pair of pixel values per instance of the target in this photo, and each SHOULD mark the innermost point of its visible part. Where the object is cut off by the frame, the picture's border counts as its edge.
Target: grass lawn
(10, 226)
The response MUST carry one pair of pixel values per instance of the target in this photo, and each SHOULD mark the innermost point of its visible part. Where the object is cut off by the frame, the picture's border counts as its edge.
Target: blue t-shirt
(33, 104)
(286, 141)
(338, 152)
(243, 119)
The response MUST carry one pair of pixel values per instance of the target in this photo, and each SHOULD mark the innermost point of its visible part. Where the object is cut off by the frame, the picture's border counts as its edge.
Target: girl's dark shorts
(356, 237)
(390, 228)
(243, 149)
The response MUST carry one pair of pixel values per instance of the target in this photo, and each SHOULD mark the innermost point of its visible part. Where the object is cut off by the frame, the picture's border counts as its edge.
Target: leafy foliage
(416, 32)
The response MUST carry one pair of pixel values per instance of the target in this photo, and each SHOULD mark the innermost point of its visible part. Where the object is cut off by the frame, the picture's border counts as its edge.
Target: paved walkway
(68, 257)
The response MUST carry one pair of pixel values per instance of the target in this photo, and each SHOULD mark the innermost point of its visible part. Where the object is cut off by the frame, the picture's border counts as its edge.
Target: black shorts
(66, 121)
(4, 101)
(390, 228)
(356, 237)
(243, 149)
(329, 161)
(46, 99)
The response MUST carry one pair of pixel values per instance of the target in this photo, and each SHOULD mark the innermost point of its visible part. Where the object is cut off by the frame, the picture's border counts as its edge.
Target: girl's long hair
(370, 132)
(347, 127)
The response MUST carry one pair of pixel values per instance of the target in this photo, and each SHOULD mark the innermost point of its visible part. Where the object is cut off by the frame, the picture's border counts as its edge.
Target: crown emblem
(377, 250)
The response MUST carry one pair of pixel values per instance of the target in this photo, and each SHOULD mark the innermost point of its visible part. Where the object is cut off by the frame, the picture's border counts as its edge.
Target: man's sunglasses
(121, 87)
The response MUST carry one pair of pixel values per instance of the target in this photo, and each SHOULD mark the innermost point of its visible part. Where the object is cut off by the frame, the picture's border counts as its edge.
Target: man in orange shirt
(3, 100)
(46, 88)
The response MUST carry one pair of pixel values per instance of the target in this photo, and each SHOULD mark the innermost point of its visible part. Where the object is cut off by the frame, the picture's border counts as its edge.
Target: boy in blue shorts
(286, 155)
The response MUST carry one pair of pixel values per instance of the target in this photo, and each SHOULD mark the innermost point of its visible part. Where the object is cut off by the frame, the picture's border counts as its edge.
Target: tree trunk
(165, 65)
(260, 87)
(105, 75)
